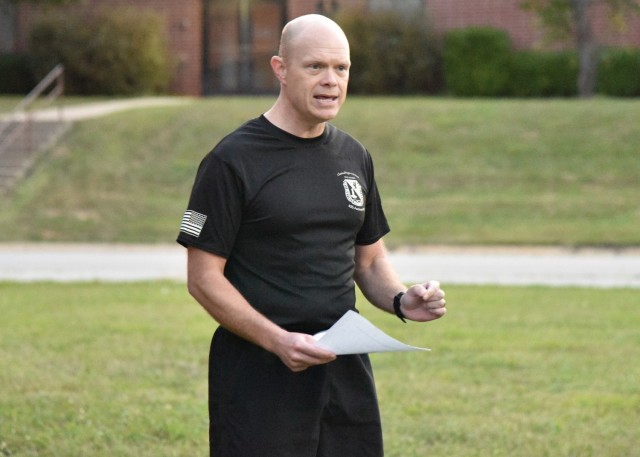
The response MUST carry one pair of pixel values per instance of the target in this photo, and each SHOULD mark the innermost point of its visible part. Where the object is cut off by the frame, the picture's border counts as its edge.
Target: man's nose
(329, 78)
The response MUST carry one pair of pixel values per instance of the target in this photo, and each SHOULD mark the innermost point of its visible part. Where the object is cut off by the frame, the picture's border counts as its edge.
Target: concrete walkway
(79, 112)
(502, 266)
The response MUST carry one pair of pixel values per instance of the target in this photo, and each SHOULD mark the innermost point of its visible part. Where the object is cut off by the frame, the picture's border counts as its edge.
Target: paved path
(84, 111)
(517, 266)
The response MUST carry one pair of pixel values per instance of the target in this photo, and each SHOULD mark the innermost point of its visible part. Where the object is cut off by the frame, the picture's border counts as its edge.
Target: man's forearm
(208, 285)
(379, 283)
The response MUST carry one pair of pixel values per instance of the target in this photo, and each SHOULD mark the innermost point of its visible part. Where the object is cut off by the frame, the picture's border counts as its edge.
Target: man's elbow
(204, 273)
(358, 274)
(192, 286)
(195, 283)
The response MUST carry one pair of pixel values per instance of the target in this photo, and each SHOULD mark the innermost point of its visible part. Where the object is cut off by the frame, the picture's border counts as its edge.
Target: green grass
(120, 370)
(506, 171)
(102, 370)
(8, 103)
(543, 172)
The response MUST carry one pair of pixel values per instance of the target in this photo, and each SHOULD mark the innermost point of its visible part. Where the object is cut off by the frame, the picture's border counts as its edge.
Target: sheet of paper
(353, 334)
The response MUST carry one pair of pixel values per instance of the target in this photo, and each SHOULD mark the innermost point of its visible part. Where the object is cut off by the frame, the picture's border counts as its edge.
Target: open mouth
(326, 98)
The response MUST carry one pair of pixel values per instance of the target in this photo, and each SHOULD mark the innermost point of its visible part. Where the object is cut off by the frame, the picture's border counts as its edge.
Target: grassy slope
(450, 171)
(508, 171)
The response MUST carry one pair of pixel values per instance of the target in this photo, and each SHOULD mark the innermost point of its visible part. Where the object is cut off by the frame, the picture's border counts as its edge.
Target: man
(283, 217)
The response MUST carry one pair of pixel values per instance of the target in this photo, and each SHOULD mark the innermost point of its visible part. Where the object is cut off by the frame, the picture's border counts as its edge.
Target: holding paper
(353, 334)
(284, 221)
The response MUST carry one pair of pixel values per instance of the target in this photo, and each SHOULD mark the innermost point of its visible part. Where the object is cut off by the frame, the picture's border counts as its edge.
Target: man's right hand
(299, 351)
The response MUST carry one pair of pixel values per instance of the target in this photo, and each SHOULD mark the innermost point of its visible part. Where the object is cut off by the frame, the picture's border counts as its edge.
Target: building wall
(7, 28)
(409, 8)
(297, 8)
(212, 62)
(505, 14)
(240, 43)
(242, 36)
(523, 27)
(610, 33)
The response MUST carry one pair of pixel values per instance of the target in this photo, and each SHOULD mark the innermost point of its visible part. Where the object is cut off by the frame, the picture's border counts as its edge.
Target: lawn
(8, 103)
(542, 172)
(97, 370)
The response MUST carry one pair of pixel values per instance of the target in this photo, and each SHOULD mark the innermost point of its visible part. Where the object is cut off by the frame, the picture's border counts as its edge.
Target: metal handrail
(20, 118)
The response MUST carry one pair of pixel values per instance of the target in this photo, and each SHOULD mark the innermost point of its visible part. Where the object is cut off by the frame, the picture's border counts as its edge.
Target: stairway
(23, 137)
(29, 142)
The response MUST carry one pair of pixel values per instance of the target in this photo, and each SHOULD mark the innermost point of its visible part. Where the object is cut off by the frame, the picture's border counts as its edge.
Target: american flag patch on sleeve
(192, 223)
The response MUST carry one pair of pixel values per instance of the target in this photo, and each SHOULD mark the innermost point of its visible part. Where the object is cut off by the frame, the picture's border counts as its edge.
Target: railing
(19, 120)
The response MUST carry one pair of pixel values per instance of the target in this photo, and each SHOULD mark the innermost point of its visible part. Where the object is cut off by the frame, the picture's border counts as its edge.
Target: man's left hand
(424, 302)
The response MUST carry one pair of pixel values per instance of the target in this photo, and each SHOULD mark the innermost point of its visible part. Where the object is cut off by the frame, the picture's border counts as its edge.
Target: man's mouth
(326, 98)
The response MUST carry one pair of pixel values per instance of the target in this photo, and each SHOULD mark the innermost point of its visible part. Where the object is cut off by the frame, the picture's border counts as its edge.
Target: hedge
(476, 62)
(619, 72)
(543, 74)
(391, 54)
(119, 51)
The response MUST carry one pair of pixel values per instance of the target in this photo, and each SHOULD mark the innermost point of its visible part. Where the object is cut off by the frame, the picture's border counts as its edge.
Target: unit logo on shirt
(353, 190)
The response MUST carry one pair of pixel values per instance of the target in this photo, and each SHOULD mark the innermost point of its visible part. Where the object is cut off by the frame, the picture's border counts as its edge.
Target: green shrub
(476, 61)
(391, 54)
(16, 74)
(543, 74)
(119, 51)
(619, 72)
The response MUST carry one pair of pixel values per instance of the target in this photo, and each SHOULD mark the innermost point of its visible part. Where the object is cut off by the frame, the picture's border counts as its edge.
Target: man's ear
(279, 68)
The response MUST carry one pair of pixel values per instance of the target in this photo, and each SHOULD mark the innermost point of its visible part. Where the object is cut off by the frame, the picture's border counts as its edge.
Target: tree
(572, 18)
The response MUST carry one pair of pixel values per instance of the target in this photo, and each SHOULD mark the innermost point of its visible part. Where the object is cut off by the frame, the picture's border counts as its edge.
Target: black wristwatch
(396, 307)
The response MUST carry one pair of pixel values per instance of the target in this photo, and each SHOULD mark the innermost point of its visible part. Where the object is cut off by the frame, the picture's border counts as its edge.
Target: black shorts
(260, 408)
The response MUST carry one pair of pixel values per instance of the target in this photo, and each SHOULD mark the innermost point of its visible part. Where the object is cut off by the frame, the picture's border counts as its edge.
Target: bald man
(283, 221)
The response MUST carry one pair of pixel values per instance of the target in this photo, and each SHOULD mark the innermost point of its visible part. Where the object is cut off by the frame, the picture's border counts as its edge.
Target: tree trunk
(587, 48)
(245, 67)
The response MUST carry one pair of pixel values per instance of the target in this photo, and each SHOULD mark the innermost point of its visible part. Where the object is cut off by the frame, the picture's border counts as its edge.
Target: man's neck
(276, 115)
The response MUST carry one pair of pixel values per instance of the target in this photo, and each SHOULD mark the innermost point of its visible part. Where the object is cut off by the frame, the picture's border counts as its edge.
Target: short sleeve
(375, 224)
(214, 212)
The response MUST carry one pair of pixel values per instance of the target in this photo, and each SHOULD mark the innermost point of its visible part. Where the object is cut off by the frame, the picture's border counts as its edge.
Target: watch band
(396, 307)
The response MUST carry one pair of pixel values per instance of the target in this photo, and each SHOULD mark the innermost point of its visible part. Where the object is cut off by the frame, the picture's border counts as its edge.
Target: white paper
(353, 334)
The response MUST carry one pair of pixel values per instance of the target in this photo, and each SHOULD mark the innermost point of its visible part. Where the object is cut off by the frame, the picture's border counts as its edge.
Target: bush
(476, 61)
(391, 54)
(16, 74)
(619, 72)
(119, 51)
(543, 74)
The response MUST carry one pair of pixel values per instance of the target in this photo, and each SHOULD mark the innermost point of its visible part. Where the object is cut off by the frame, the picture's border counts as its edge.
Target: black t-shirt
(286, 212)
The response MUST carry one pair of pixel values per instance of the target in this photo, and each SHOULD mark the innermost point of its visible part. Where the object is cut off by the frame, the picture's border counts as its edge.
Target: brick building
(523, 27)
(224, 46)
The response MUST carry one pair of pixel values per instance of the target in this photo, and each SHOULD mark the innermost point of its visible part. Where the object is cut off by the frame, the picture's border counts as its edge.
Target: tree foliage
(477, 61)
(559, 16)
(394, 54)
(115, 51)
(571, 19)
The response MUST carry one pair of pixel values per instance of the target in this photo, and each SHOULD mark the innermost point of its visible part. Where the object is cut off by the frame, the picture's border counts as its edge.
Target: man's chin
(327, 115)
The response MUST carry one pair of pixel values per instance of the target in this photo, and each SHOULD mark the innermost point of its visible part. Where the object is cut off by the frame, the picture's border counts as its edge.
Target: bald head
(304, 28)
(313, 70)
